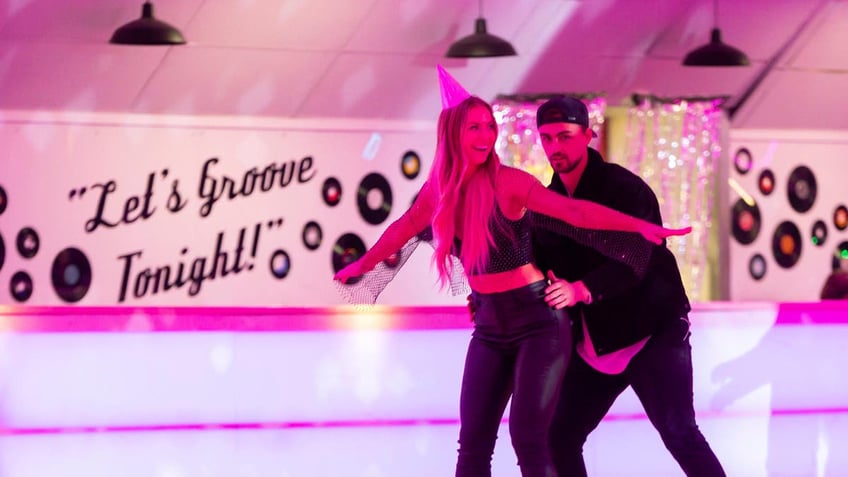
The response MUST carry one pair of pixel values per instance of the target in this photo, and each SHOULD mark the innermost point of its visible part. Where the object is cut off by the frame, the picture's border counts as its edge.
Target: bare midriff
(503, 281)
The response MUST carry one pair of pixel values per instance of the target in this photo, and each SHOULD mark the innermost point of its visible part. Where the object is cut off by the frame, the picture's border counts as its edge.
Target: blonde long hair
(472, 201)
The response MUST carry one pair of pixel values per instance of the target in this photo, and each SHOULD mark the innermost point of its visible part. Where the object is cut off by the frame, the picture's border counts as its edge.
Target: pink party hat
(452, 92)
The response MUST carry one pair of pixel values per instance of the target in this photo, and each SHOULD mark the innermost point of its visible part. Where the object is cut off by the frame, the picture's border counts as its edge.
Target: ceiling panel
(375, 58)
(224, 81)
(797, 100)
(757, 27)
(321, 25)
(83, 20)
(375, 86)
(825, 47)
(80, 77)
(668, 78)
(413, 27)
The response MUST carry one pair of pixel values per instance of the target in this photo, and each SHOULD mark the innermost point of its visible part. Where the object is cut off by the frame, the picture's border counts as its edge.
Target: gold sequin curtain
(675, 146)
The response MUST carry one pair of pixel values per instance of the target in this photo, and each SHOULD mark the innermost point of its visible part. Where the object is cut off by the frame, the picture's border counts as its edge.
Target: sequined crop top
(511, 251)
(626, 247)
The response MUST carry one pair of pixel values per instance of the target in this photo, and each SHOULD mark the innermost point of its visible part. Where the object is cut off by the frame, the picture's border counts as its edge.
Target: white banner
(134, 210)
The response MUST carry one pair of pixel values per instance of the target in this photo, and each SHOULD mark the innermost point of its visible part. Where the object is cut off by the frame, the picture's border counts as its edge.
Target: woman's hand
(352, 270)
(654, 233)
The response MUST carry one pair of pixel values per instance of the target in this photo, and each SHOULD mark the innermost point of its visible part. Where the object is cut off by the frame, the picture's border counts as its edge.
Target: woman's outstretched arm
(580, 213)
(396, 235)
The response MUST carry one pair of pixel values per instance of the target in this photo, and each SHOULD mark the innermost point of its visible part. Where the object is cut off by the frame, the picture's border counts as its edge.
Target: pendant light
(480, 44)
(147, 31)
(716, 52)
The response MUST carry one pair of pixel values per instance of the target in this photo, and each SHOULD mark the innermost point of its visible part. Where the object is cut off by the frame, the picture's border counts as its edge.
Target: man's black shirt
(624, 309)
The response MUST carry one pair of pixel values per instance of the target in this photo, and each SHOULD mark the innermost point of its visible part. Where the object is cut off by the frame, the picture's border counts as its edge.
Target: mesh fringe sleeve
(629, 248)
(366, 289)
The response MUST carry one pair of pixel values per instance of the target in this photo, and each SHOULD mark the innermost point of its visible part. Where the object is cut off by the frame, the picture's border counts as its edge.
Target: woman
(483, 212)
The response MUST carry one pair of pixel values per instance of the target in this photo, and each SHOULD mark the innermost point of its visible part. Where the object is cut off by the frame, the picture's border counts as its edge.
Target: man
(629, 330)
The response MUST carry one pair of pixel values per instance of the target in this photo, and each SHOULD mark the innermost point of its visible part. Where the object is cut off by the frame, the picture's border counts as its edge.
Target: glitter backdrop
(518, 142)
(675, 146)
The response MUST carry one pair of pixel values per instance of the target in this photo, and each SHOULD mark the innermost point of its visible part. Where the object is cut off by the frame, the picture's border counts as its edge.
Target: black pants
(661, 377)
(520, 347)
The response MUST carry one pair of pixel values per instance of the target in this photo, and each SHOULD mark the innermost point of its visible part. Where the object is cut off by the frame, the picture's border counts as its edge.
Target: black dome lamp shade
(480, 44)
(147, 31)
(716, 52)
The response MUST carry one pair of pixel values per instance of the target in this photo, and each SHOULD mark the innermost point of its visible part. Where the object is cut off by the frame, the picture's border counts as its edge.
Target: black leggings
(520, 347)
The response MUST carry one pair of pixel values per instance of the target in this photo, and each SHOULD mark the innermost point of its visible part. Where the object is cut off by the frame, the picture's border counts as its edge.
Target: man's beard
(564, 166)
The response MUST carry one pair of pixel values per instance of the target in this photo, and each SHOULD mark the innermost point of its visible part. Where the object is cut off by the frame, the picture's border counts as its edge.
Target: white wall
(329, 393)
(781, 151)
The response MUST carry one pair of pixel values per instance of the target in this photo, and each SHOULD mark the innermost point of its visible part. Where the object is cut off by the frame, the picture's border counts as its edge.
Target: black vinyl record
(373, 213)
(742, 161)
(27, 242)
(840, 218)
(840, 255)
(280, 264)
(3, 200)
(21, 286)
(2, 252)
(331, 192)
(312, 235)
(766, 182)
(746, 222)
(410, 165)
(819, 233)
(801, 189)
(348, 248)
(757, 267)
(786, 244)
(71, 275)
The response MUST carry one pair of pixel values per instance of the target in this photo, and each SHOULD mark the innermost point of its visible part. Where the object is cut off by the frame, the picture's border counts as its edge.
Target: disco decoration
(757, 267)
(675, 145)
(331, 191)
(746, 222)
(71, 275)
(840, 218)
(840, 256)
(766, 182)
(348, 248)
(3, 200)
(312, 235)
(742, 161)
(371, 184)
(21, 286)
(280, 264)
(27, 242)
(410, 165)
(801, 189)
(819, 233)
(786, 244)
